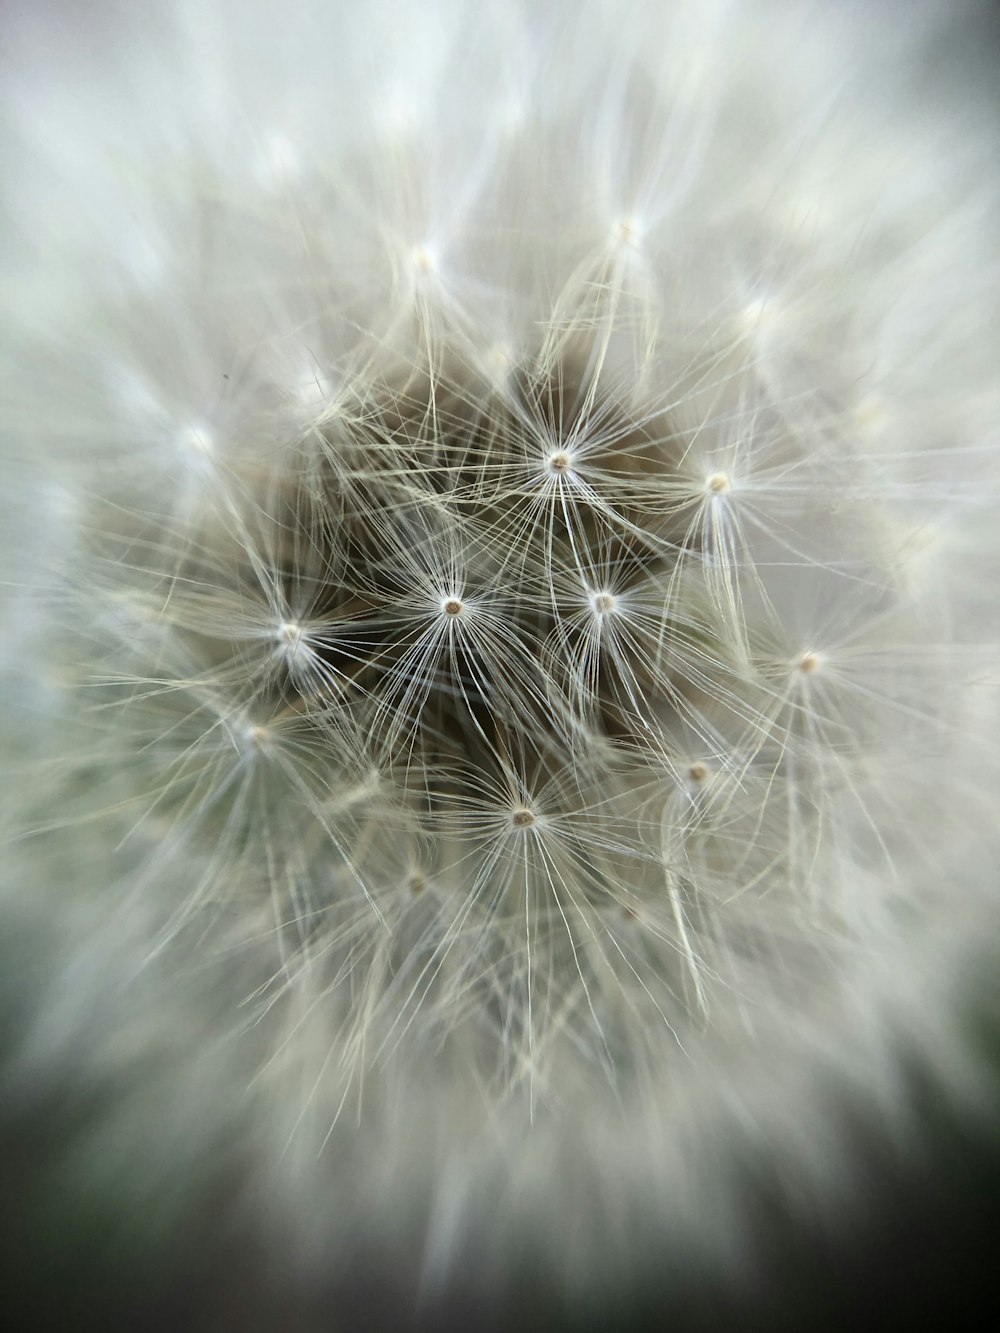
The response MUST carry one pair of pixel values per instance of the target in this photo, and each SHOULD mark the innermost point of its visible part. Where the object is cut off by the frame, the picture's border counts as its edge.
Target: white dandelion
(500, 621)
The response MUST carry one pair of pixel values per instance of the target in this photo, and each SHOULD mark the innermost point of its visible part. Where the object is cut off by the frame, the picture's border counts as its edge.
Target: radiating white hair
(501, 612)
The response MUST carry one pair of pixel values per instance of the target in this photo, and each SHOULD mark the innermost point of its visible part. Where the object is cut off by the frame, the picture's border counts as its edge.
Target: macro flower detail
(501, 530)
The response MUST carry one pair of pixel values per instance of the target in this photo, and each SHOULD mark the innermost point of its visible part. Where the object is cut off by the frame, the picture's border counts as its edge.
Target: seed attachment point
(424, 260)
(627, 231)
(289, 634)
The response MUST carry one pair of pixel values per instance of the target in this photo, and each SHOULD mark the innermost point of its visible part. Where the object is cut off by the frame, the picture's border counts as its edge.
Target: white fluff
(502, 619)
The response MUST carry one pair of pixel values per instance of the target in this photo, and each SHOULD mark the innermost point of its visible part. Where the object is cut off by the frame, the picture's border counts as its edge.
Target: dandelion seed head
(257, 737)
(440, 746)
(416, 883)
(628, 232)
(500, 362)
(424, 260)
(761, 315)
(290, 638)
(196, 444)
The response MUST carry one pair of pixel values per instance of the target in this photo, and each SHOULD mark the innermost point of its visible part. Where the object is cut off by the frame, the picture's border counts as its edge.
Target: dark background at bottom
(925, 1257)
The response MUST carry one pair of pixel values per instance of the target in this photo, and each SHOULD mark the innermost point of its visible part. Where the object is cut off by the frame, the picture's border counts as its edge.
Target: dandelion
(500, 537)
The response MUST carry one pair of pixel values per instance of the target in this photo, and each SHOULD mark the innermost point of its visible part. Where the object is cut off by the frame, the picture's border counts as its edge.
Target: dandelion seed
(196, 444)
(627, 231)
(424, 261)
(290, 635)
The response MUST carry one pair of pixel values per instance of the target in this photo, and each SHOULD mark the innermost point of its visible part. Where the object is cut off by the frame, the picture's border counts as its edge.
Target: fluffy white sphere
(501, 618)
